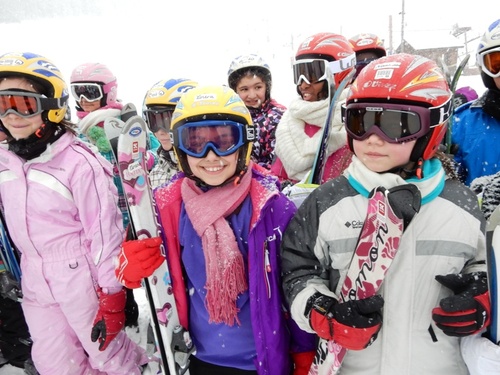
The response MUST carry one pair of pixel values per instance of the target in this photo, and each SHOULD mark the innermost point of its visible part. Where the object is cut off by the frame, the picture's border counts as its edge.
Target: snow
(139, 337)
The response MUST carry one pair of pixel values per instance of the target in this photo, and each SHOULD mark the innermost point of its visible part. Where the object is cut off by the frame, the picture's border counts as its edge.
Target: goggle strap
(250, 132)
(440, 114)
(338, 66)
(53, 103)
(107, 87)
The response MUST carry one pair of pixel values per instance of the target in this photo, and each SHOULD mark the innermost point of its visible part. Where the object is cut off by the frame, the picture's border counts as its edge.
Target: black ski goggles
(394, 123)
(158, 118)
(91, 92)
(224, 138)
(26, 103)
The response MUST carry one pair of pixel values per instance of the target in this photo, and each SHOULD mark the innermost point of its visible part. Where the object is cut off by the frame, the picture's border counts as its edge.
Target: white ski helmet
(245, 63)
(490, 41)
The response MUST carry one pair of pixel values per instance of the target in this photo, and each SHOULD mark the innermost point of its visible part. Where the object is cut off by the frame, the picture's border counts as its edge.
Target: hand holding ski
(138, 259)
(389, 213)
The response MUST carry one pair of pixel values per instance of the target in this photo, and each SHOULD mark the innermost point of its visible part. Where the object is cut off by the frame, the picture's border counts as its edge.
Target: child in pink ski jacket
(60, 206)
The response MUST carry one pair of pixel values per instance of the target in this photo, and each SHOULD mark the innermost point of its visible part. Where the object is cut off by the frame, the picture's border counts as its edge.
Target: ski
(453, 82)
(8, 253)
(389, 214)
(174, 343)
(316, 174)
(493, 260)
(113, 126)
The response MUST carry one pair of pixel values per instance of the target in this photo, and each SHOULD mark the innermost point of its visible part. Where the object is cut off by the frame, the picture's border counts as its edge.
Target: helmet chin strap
(408, 170)
(235, 179)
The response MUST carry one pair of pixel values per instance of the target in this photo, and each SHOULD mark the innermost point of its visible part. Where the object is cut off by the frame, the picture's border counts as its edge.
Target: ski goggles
(91, 92)
(158, 118)
(26, 103)
(222, 137)
(315, 70)
(360, 65)
(394, 123)
(490, 62)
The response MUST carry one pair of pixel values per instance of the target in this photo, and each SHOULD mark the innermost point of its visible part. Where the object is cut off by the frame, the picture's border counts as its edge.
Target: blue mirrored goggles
(222, 137)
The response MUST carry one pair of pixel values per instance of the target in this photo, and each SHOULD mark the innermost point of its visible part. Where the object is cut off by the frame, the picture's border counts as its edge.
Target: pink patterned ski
(173, 341)
(389, 213)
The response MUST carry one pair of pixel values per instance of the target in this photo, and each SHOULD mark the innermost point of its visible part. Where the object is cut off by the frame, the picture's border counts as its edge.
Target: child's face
(164, 138)
(311, 92)
(89, 106)
(497, 82)
(381, 156)
(212, 169)
(19, 127)
(252, 90)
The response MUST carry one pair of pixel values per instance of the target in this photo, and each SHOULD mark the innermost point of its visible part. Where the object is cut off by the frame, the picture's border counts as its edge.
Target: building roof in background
(429, 39)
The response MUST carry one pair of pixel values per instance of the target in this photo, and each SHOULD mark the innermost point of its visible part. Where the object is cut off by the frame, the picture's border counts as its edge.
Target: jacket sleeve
(304, 259)
(96, 199)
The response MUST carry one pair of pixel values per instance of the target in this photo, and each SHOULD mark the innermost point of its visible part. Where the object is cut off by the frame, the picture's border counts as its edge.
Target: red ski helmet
(412, 81)
(329, 47)
(368, 47)
(368, 42)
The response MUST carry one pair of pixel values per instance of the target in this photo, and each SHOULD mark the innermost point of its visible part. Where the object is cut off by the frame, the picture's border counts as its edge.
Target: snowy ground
(139, 337)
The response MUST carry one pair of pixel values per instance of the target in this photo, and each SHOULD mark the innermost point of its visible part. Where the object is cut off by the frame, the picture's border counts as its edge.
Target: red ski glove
(138, 259)
(302, 362)
(110, 318)
(352, 324)
(468, 311)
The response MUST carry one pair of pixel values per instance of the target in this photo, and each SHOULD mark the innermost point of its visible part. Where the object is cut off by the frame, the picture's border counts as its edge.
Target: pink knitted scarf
(224, 262)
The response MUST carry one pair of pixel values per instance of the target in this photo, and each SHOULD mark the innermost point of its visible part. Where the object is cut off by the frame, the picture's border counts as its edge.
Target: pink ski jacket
(61, 205)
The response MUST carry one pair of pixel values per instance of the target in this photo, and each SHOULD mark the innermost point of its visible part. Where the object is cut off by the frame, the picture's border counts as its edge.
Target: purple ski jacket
(276, 335)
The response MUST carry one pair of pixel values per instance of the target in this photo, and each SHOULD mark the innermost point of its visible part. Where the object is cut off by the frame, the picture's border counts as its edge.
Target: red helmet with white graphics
(324, 56)
(400, 98)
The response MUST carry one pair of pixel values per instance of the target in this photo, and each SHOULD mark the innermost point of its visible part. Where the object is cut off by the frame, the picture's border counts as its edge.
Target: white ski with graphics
(174, 343)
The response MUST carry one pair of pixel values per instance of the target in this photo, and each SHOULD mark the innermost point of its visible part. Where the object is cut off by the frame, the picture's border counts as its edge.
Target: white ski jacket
(446, 236)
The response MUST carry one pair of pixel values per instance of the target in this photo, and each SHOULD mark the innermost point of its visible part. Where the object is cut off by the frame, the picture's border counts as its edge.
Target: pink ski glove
(138, 259)
(110, 318)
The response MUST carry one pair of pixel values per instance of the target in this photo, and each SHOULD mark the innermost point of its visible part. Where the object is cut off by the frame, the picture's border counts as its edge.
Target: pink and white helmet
(97, 73)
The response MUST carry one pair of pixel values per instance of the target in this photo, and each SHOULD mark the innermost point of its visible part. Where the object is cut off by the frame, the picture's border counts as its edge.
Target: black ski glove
(9, 286)
(466, 312)
(352, 324)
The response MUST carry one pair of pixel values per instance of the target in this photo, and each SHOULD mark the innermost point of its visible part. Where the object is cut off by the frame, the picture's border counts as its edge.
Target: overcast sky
(144, 41)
